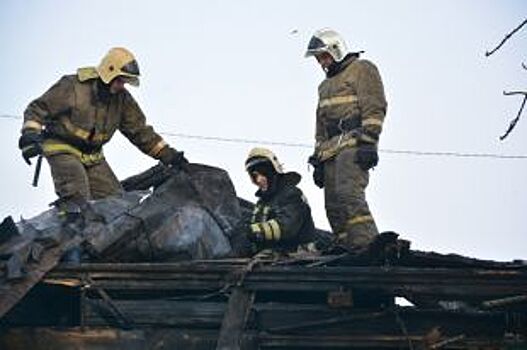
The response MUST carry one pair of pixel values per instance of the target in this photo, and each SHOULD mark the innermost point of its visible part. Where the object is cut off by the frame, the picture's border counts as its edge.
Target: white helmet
(327, 40)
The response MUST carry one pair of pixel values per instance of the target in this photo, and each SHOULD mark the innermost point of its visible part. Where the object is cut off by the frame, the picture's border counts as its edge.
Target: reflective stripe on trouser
(51, 147)
(346, 207)
(73, 179)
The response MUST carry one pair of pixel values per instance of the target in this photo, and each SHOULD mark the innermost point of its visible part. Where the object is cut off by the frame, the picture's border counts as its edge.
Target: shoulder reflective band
(337, 100)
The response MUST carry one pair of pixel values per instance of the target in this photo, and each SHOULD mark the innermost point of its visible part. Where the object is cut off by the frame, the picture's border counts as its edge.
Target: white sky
(233, 69)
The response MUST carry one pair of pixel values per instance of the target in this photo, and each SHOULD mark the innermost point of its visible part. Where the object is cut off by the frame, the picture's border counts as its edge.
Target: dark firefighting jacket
(282, 215)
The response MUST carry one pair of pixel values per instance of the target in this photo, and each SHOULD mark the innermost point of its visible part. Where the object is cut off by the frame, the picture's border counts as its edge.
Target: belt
(342, 126)
(52, 147)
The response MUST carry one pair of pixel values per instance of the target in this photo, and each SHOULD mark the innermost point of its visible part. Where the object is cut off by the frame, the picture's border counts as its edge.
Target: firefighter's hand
(30, 143)
(367, 156)
(253, 234)
(318, 170)
(172, 158)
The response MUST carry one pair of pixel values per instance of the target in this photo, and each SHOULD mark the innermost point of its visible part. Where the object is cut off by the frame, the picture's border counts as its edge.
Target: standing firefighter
(71, 122)
(350, 114)
(282, 217)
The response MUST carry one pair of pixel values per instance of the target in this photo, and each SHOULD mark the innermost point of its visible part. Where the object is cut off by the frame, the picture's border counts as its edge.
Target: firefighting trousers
(73, 179)
(346, 207)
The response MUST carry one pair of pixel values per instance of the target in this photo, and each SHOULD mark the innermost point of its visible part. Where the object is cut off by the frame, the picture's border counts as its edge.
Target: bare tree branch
(515, 120)
(510, 93)
(507, 37)
(524, 66)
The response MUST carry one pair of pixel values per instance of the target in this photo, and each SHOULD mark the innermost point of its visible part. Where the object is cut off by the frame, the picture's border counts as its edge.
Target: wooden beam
(235, 319)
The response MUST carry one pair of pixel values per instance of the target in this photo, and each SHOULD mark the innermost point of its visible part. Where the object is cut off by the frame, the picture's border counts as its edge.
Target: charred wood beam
(504, 302)
(235, 319)
(450, 283)
(108, 338)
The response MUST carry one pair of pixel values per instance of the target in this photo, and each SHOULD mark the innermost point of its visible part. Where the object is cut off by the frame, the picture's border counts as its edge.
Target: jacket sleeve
(372, 101)
(133, 126)
(58, 99)
(288, 218)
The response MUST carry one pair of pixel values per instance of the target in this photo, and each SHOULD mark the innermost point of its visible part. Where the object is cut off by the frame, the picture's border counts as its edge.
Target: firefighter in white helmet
(349, 120)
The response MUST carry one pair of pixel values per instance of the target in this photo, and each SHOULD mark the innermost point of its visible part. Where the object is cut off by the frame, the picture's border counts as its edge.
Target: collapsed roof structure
(168, 269)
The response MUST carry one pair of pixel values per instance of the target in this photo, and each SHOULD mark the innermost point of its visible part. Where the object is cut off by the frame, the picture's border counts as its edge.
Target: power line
(238, 140)
(384, 150)
(310, 146)
(5, 116)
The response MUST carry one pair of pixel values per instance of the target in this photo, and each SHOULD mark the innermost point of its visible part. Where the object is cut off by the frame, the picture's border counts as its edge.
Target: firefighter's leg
(102, 180)
(346, 205)
(69, 176)
(72, 187)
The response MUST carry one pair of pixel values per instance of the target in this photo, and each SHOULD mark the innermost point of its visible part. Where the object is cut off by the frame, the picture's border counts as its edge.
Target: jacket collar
(289, 179)
(338, 67)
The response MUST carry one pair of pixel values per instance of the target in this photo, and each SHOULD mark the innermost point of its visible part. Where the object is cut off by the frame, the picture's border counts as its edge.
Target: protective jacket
(78, 115)
(351, 107)
(282, 215)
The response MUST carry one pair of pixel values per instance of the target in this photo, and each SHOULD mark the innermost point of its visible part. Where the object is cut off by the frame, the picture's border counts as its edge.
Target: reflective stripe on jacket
(78, 111)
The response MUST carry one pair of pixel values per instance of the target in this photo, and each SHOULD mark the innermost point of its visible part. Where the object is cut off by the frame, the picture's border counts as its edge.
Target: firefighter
(349, 119)
(281, 219)
(70, 123)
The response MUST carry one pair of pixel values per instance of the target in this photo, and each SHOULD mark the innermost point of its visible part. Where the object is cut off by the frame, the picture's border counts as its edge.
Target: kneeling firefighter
(281, 219)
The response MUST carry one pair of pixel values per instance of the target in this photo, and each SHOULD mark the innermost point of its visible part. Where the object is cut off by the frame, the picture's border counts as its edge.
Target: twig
(507, 37)
(515, 120)
(524, 66)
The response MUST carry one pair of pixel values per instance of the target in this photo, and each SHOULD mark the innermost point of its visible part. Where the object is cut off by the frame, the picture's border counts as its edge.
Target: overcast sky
(235, 69)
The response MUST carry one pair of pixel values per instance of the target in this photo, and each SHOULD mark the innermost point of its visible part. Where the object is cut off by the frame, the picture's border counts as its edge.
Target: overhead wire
(456, 154)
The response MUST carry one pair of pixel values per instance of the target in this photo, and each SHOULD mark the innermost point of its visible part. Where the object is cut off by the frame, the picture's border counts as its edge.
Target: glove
(255, 237)
(318, 172)
(172, 158)
(367, 156)
(30, 143)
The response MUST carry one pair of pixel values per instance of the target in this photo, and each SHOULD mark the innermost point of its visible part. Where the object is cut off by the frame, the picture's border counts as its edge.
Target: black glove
(172, 158)
(30, 143)
(318, 172)
(367, 156)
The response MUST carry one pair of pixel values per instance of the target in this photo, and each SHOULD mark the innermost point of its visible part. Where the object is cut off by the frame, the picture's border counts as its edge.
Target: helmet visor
(315, 46)
(254, 162)
(130, 79)
(131, 68)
